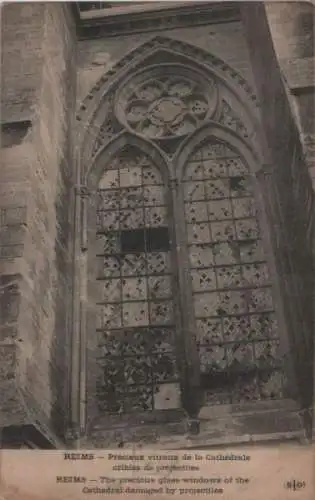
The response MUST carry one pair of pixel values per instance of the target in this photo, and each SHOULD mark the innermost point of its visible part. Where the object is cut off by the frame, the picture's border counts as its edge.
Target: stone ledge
(259, 422)
(176, 17)
(299, 72)
(14, 436)
(17, 410)
(34, 417)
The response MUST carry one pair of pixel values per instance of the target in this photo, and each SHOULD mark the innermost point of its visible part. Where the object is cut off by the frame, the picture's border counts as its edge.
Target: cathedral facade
(157, 224)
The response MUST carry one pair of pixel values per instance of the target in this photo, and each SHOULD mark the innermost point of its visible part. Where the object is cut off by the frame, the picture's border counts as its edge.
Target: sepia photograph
(157, 239)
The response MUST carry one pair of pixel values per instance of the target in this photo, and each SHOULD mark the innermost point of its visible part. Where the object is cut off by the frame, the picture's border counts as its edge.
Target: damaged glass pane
(236, 326)
(133, 294)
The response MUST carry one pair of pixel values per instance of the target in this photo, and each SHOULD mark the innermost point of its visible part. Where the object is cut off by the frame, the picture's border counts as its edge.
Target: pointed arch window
(133, 288)
(182, 294)
(235, 322)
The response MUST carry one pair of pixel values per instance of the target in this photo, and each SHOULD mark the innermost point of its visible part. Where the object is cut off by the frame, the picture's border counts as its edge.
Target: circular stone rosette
(166, 101)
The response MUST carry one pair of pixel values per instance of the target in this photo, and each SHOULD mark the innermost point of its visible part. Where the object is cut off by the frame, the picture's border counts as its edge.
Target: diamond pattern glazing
(235, 320)
(135, 317)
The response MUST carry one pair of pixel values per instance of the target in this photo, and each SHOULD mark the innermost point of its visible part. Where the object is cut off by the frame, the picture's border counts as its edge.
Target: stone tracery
(166, 101)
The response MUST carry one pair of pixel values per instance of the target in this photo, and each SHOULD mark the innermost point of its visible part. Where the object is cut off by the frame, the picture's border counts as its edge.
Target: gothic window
(135, 311)
(235, 320)
(190, 255)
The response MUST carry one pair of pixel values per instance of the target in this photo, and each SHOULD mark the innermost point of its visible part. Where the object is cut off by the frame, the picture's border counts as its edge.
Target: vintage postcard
(157, 250)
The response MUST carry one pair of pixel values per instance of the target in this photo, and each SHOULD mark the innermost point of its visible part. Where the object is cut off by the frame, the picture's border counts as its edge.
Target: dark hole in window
(157, 239)
(132, 240)
(237, 183)
(154, 239)
(216, 379)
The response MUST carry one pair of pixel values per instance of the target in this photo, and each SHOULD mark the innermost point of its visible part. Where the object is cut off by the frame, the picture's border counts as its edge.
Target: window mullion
(190, 366)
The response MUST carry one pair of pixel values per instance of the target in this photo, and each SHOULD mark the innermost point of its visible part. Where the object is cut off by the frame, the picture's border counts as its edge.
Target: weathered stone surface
(289, 193)
(21, 37)
(299, 72)
(97, 57)
(38, 84)
(291, 26)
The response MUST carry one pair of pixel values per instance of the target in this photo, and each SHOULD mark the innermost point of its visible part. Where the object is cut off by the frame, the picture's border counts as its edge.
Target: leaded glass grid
(135, 311)
(237, 333)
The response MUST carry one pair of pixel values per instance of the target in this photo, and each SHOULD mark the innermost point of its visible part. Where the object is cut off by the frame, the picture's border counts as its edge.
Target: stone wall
(290, 198)
(292, 28)
(37, 180)
(22, 27)
(98, 56)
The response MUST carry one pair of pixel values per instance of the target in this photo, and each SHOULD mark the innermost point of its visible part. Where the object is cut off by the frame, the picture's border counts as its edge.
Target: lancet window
(135, 309)
(236, 325)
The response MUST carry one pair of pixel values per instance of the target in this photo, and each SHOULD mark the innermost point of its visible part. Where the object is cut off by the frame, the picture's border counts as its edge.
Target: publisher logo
(294, 484)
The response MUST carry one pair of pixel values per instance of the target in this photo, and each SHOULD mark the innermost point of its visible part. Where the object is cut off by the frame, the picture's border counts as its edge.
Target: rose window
(166, 102)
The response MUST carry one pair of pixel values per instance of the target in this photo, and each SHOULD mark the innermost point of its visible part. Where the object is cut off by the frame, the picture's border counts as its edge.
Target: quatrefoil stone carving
(166, 101)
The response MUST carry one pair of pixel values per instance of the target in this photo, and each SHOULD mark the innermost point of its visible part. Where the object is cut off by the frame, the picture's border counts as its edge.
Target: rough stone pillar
(293, 206)
(38, 94)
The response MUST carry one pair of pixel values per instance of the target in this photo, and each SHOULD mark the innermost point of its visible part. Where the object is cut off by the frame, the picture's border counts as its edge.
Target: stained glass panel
(236, 325)
(133, 291)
